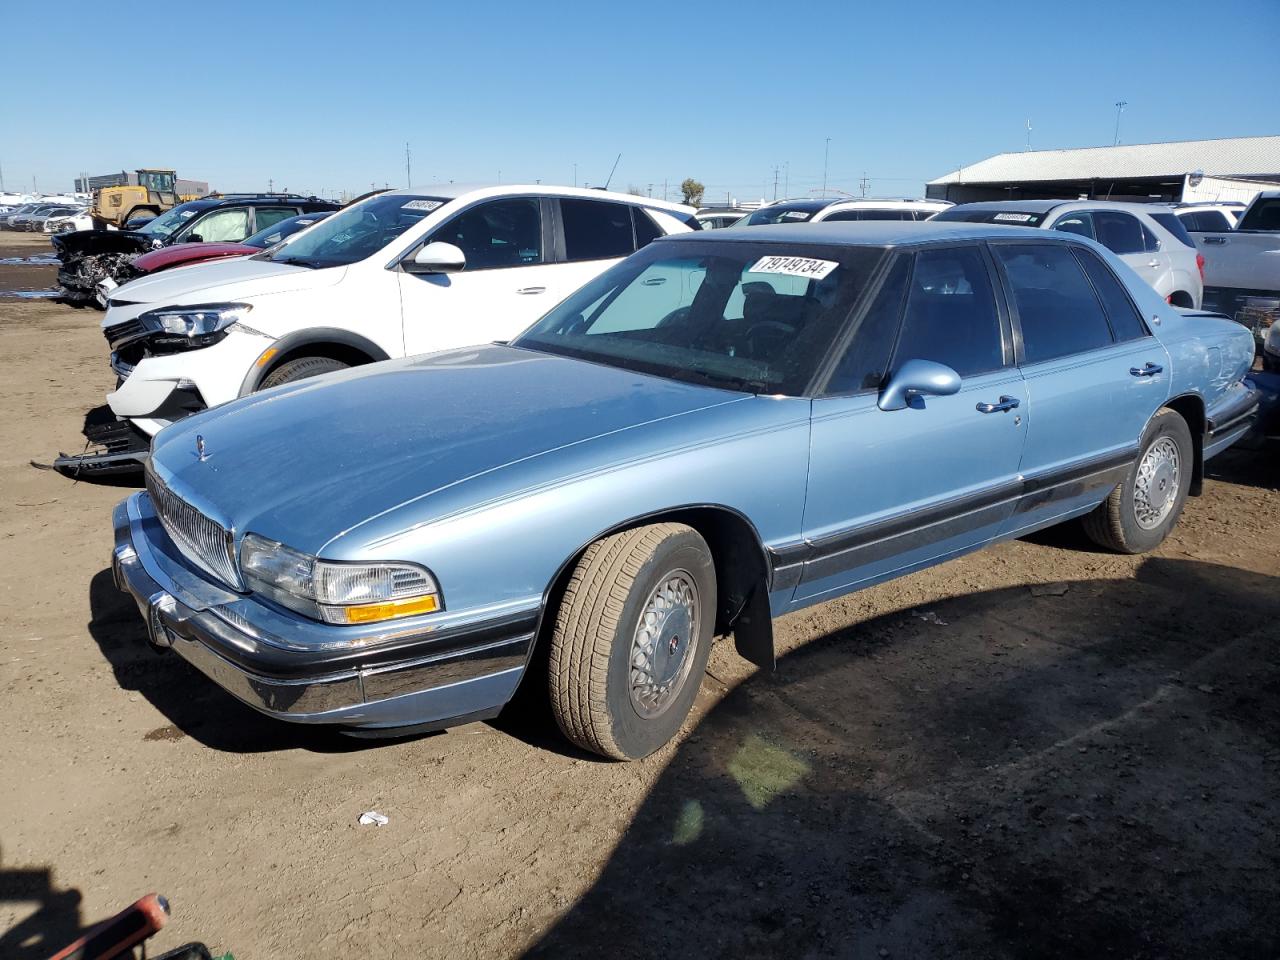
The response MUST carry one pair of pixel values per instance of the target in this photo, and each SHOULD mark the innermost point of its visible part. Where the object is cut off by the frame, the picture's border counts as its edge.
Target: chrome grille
(204, 542)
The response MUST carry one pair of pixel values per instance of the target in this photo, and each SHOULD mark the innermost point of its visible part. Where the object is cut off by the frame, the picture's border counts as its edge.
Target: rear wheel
(1143, 509)
(301, 369)
(631, 639)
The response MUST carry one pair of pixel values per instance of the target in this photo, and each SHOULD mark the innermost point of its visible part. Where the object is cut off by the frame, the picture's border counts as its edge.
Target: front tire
(301, 369)
(1143, 509)
(631, 639)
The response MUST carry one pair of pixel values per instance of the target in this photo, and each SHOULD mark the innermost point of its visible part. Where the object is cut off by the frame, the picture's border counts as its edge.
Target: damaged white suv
(398, 273)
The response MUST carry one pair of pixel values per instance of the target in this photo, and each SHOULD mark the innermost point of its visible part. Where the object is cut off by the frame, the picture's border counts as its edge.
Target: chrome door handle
(528, 290)
(1146, 370)
(653, 282)
(1153, 263)
(1005, 403)
(1217, 241)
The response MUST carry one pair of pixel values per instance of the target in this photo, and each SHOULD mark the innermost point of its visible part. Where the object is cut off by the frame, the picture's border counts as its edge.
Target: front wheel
(1143, 509)
(301, 369)
(631, 639)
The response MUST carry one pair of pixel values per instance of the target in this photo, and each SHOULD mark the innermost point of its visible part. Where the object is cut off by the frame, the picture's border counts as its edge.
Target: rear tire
(1144, 507)
(631, 639)
(301, 369)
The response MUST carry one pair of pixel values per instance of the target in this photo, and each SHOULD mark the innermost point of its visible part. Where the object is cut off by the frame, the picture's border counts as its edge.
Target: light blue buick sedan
(721, 429)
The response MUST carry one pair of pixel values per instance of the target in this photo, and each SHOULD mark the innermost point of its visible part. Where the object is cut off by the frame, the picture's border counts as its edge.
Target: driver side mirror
(918, 378)
(194, 238)
(436, 257)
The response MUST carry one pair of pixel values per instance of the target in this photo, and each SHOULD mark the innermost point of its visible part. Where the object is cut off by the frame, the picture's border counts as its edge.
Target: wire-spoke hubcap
(1156, 487)
(662, 650)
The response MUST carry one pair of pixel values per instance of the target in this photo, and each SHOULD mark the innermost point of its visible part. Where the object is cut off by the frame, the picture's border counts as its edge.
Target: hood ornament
(200, 448)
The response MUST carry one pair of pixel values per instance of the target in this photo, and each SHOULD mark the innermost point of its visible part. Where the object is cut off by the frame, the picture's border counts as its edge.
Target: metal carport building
(1231, 169)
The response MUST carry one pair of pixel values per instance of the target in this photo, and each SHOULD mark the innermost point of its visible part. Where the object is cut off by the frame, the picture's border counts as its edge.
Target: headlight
(201, 320)
(334, 592)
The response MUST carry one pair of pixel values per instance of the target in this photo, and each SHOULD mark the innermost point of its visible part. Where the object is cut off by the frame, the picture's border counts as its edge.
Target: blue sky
(322, 96)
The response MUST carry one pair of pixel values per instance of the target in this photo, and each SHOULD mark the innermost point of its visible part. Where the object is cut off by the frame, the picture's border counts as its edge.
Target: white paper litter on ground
(375, 818)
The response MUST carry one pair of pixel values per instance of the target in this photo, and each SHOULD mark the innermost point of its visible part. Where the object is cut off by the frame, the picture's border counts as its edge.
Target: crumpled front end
(87, 257)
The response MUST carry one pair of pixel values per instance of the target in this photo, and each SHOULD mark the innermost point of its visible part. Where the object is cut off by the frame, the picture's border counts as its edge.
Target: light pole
(826, 155)
(1120, 105)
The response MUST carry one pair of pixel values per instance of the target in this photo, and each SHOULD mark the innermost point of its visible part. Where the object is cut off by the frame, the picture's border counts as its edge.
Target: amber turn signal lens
(373, 612)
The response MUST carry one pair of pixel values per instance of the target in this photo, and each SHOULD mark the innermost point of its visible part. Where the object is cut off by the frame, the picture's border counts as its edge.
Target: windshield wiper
(297, 262)
(742, 383)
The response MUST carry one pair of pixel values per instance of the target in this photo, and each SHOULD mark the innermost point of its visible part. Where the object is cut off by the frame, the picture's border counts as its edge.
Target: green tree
(692, 191)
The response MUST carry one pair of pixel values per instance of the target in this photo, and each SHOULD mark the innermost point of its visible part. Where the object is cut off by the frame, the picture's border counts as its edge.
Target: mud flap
(753, 631)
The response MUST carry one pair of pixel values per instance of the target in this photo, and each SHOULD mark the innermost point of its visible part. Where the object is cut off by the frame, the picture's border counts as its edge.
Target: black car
(89, 256)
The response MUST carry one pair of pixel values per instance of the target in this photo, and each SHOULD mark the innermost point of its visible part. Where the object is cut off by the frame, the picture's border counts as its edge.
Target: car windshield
(169, 222)
(1002, 217)
(782, 213)
(357, 232)
(270, 236)
(754, 317)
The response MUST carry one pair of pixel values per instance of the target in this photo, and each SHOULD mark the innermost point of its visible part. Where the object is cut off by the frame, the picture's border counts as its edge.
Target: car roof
(863, 233)
(1044, 206)
(453, 191)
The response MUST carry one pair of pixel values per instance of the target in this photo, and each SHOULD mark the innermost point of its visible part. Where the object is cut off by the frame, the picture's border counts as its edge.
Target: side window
(866, 361)
(1205, 221)
(229, 225)
(1081, 224)
(270, 216)
(1150, 242)
(500, 233)
(1126, 322)
(646, 230)
(1057, 308)
(951, 312)
(1119, 232)
(596, 230)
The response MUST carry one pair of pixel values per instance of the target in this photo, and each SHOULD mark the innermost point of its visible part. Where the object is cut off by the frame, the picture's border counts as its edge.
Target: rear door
(1094, 374)
(894, 490)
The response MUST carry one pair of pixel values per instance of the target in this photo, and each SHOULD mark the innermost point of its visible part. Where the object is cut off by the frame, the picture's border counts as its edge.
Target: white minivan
(398, 273)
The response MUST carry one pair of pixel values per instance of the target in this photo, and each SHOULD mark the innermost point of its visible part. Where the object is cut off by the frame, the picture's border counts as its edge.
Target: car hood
(305, 463)
(225, 280)
(181, 253)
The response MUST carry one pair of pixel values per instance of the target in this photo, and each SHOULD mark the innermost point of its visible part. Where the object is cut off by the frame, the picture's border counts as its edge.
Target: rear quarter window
(1171, 223)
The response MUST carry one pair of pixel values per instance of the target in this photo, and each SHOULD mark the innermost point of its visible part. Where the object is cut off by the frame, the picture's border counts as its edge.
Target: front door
(894, 490)
(508, 282)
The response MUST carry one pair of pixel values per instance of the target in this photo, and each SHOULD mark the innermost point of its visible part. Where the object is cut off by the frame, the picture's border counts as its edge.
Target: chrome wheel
(1155, 489)
(662, 648)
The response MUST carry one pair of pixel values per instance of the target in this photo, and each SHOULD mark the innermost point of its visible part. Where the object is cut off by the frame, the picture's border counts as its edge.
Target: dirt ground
(1041, 750)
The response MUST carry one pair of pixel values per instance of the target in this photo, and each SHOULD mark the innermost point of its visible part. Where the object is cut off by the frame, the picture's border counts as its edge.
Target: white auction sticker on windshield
(421, 205)
(1013, 217)
(795, 266)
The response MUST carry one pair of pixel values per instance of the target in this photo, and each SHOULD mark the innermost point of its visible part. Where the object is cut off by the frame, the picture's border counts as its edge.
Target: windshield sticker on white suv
(421, 205)
(1014, 217)
(795, 267)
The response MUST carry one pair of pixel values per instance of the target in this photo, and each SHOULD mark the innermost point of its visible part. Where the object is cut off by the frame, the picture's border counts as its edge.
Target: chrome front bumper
(462, 669)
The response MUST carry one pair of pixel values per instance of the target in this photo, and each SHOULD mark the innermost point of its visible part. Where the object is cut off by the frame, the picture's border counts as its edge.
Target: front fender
(298, 340)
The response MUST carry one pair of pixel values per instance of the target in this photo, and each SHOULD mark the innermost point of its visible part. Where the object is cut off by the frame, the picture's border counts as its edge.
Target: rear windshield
(783, 213)
(1003, 217)
(1175, 226)
(1263, 215)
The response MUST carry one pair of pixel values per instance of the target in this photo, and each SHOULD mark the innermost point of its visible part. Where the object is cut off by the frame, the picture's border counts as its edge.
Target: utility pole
(651, 191)
(664, 189)
(775, 181)
(271, 185)
(1120, 105)
(863, 183)
(408, 172)
(826, 155)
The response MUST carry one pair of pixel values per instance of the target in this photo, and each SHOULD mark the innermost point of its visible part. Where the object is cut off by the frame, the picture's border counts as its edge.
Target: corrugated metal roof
(1239, 156)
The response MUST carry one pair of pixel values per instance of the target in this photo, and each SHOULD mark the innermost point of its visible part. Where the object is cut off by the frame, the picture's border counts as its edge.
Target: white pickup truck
(1242, 266)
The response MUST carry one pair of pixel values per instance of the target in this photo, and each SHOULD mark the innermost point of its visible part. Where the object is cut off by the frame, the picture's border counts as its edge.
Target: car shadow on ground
(54, 922)
(1085, 775)
(194, 705)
